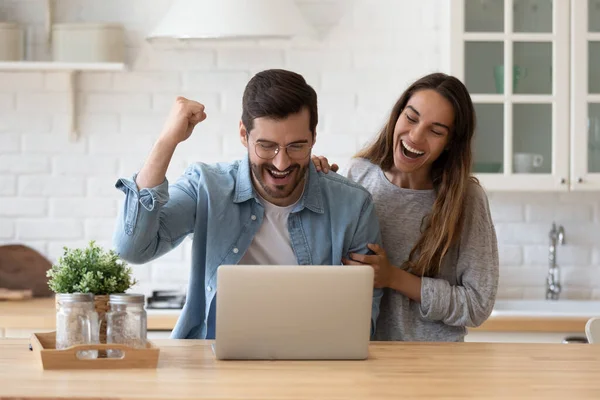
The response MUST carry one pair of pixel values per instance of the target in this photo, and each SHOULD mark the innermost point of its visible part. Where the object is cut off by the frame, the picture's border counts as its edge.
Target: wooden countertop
(187, 369)
(40, 314)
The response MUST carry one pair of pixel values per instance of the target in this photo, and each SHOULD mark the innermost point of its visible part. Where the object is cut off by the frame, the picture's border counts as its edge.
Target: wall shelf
(59, 66)
(70, 68)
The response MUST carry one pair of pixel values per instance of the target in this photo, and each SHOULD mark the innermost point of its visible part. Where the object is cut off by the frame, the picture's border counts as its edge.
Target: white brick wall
(102, 186)
(23, 122)
(8, 185)
(50, 144)
(116, 102)
(99, 228)
(51, 186)
(21, 82)
(23, 207)
(49, 229)
(7, 228)
(83, 208)
(90, 124)
(215, 81)
(147, 82)
(10, 142)
(7, 101)
(84, 165)
(47, 103)
(56, 193)
(24, 163)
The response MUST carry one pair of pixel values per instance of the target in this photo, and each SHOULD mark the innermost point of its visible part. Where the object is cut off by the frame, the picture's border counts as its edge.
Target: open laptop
(297, 312)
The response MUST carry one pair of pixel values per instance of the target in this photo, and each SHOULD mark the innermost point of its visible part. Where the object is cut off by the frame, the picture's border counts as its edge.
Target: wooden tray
(45, 345)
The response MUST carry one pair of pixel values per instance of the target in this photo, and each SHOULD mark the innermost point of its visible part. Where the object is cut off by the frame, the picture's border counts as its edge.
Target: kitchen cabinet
(533, 70)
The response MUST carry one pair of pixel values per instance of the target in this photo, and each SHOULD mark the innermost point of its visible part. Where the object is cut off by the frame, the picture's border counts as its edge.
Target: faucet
(553, 288)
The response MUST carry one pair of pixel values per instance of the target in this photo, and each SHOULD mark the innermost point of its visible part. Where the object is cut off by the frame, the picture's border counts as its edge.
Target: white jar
(11, 42)
(88, 42)
(76, 322)
(126, 322)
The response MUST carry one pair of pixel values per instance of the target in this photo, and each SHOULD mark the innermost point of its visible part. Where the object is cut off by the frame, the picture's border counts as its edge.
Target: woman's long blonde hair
(450, 173)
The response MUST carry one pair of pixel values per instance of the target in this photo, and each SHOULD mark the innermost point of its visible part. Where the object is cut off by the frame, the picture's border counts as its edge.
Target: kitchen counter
(508, 316)
(40, 314)
(540, 316)
(532, 324)
(187, 369)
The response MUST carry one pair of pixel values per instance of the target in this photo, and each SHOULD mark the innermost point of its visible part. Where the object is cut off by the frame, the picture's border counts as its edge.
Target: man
(272, 207)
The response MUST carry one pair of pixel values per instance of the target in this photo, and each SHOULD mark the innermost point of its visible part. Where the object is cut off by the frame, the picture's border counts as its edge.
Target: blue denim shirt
(218, 205)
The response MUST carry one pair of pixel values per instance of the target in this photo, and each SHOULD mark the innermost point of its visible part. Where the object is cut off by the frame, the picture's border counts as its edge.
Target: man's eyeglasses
(269, 150)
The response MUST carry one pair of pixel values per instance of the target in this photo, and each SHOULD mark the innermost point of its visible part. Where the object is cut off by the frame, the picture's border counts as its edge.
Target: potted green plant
(91, 270)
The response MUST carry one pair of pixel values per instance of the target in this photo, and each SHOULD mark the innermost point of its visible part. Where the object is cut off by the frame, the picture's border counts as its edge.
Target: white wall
(55, 193)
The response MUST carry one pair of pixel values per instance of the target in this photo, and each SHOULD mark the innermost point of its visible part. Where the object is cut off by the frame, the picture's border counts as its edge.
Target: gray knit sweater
(463, 294)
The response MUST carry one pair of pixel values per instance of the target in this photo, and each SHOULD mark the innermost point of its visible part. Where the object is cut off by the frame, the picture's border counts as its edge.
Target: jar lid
(75, 297)
(126, 298)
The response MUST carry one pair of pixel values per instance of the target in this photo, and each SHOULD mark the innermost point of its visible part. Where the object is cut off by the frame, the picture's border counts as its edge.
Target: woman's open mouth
(410, 152)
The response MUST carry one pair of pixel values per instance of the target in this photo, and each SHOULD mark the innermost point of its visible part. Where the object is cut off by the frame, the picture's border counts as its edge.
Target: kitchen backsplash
(56, 193)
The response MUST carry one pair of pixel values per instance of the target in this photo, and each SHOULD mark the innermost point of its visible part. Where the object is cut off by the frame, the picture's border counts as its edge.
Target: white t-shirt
(271, 244)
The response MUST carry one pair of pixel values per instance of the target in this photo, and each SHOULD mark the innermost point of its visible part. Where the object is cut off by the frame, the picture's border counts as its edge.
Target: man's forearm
(155, 168)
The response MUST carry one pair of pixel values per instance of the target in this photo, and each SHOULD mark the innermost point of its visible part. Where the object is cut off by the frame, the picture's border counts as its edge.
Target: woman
(439, 269)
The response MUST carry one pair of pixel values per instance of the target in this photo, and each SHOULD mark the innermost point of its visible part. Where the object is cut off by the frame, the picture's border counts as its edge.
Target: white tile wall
(56, 193)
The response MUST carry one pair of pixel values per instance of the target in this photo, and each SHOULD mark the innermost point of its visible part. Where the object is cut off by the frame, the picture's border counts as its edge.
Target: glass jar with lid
(76, 322)
(126, 322)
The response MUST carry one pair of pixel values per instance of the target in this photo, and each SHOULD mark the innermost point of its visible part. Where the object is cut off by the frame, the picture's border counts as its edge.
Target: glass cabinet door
(585, 149)
(513, 57)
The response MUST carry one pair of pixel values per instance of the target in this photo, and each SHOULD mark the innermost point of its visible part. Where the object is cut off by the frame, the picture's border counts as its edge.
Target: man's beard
(278, 191)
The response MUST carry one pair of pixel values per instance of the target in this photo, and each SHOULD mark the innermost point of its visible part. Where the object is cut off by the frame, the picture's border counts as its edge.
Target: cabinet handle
(579, 180)
(563, 181)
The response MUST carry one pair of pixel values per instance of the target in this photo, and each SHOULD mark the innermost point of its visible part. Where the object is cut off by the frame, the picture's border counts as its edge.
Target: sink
(543, 308)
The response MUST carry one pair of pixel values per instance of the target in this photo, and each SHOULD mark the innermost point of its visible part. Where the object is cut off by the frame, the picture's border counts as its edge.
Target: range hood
(231, 19)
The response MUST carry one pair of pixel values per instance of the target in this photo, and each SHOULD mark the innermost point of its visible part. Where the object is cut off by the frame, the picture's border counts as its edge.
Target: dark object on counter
(23, 268)
(574, 339)
(166, 299)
